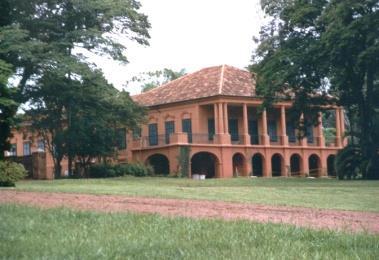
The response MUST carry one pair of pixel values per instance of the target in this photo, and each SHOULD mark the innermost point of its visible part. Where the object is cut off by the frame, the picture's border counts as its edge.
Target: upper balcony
(231, 124)
(206, 139)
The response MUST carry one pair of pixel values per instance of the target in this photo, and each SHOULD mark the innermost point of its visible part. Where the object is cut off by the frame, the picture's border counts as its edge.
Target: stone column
(220, 118)
(342, 118)
(226, 118)
(265, 137)
(305, 166)
(222, 137)
(267, 171)
(321, 139)
(338, 128)
(303, 141)
(215, 110)
(246, 136)
(284, 137)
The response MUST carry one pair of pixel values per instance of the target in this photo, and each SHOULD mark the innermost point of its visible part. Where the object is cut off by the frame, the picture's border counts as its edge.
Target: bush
(109, 171)
(139, 170)
(10, 173)
(101, 171)
(121, 169)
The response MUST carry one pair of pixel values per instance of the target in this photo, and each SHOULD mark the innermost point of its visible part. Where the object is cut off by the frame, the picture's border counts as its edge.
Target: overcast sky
(190, 34)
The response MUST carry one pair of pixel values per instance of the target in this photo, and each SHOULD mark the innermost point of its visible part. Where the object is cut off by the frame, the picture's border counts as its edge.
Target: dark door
(153, 134)
(211, 128)
(253, 131)
(187, 128)
(169, 129)
(233, 129)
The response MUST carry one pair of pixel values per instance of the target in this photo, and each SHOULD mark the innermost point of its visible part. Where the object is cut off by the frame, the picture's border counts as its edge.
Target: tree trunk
(367, 143)
(57, 169)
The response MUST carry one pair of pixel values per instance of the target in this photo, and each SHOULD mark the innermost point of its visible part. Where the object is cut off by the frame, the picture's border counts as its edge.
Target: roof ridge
(221, 79)
(172, 81)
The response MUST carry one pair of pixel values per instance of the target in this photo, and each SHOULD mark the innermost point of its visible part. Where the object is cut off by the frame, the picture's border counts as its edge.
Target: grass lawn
(315, 193)
(31, 233)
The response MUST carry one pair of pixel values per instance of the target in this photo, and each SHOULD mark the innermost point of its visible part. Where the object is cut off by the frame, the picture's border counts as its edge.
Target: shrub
(349, 162)
(139, 170)
(10, 173)
(121, 169)
(101, 171)
(108, 171)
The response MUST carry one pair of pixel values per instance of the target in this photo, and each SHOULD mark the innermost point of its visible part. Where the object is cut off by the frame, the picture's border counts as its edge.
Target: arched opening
(257, 165)
(204, 163)
(314, 165)
(160, 164)
(330, 165)
(295, 165)
(277, 165)
(239, 165)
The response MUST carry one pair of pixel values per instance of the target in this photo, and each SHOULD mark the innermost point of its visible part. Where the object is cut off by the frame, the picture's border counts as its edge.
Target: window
(309, 132)
(253, 131)
(169, 129)
(211, 128)
(291, 132)
(233, 129)
(26, 147)
(187, 128)
(153, 134)
(41, 145)
(272, 131)
(121, 139)
(137, 132)
(13, 150)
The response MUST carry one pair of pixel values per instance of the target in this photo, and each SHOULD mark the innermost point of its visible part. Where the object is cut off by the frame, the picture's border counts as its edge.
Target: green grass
(31, 233)
(315, 193)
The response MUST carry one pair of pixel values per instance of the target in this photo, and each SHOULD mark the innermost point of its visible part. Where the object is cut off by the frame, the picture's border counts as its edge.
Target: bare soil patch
(302, 217)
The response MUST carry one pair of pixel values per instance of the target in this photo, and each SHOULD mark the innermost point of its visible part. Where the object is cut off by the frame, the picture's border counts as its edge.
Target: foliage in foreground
(46, 44)
(313, 50)
(10, 173)
(109, 171)
(61, 233)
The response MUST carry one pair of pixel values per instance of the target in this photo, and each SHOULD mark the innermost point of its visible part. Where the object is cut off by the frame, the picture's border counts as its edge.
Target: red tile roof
(213, 81)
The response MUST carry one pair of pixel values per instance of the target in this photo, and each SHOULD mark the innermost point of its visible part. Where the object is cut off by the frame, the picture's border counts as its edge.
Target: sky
(189, 34)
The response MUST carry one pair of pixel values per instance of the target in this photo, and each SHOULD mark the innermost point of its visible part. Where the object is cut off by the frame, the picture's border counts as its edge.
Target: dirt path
(304, 217)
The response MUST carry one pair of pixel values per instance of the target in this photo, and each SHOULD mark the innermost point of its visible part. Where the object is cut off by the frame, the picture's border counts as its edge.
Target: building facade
(214, 114)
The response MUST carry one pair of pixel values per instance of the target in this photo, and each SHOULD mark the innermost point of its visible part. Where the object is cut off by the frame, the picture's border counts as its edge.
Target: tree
(313, 49)
(99, 117)
(8, 107)
(153, 79)
(55, 29)
(14, 47)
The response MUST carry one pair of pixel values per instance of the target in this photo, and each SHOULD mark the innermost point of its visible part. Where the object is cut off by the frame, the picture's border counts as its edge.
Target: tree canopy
(41, 39)
(153, 79)
(313, 50)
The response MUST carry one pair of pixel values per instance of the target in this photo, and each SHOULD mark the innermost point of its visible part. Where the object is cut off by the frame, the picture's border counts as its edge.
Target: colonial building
(214, 114)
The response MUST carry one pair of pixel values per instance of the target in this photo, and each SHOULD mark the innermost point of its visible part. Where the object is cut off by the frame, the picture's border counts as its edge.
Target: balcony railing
(236, 139)
(330, 140)
(203, 138)
(254, 139)
(154, 140)
(206, 138)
